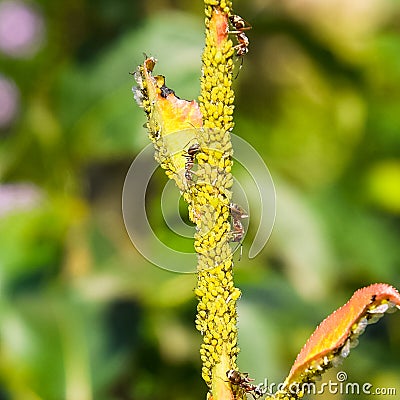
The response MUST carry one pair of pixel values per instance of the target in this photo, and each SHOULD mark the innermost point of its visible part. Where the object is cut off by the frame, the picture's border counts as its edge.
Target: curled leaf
(170, 112)
(172, 122)
(337, 334)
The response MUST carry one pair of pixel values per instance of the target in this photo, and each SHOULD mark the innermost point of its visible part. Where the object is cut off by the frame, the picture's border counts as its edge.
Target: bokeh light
(21, 29)
(18, 197)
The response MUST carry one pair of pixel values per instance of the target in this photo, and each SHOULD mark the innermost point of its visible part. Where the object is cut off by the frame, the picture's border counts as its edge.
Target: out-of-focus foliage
(82, 315)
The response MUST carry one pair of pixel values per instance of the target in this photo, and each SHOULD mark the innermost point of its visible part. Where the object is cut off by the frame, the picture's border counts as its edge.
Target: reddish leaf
(331, 341)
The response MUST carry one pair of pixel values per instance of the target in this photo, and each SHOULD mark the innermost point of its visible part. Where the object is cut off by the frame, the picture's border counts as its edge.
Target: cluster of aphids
(237, 212)
(242, 381)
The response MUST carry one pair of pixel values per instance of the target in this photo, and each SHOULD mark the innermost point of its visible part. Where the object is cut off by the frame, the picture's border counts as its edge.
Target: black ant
(238, 231)
(240, 26)
(238, 378)
(237, 214)
(190, 154)
(244, 382)
(237, 234)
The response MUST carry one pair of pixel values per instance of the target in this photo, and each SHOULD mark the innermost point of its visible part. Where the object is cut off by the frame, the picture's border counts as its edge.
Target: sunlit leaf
(172, 122)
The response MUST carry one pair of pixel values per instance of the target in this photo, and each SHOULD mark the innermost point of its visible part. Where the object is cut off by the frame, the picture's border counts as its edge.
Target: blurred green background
(82, 314)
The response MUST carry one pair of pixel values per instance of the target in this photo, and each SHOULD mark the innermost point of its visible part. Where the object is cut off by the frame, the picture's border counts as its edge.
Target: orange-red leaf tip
(337, 334)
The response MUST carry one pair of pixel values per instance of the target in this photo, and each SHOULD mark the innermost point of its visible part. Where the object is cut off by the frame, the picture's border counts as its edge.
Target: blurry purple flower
(9, 99)
(21, 29)
(18, 197)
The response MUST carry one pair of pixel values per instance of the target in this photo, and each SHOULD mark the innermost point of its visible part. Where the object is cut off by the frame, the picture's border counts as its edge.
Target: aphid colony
(237, 212)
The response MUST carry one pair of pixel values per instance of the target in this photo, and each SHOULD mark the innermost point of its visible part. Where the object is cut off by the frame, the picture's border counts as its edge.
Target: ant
(237, 214)
(238, 378)
(238, 231)
(244, 382)
(190, 154)
(240, 26)
(237, 234)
